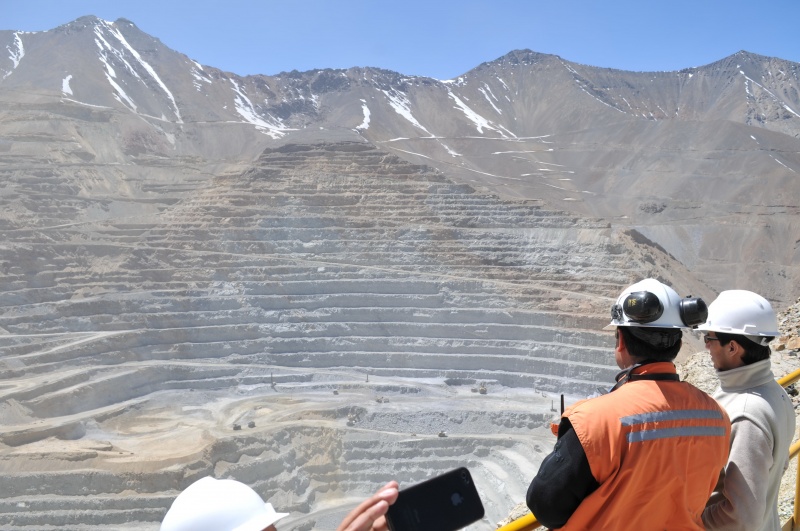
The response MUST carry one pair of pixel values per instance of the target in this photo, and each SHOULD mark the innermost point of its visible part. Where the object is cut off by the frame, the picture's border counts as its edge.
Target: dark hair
(660, 344)
(753, 352)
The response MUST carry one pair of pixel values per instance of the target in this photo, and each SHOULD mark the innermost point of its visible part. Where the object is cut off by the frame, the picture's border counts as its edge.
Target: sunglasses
(707, 338)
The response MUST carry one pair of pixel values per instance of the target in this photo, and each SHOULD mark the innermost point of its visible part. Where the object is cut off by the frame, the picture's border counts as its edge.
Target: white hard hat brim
(261, 521)
(747, 331)
(612, 325)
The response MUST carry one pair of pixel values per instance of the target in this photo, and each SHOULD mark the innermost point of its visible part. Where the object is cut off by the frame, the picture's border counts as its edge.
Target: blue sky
(438, 38)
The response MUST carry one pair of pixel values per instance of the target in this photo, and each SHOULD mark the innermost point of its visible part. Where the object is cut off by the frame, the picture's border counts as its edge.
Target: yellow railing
(529, 522)
(525, 523)
(792, 524)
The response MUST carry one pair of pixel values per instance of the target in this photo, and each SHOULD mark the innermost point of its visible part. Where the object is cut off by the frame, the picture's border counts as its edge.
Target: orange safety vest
(656, 448)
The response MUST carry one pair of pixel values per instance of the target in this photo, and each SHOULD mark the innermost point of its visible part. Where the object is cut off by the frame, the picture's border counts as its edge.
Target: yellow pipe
(796, 512)
(793, 451)
(786, 381)
(790, 378)
(524, 523)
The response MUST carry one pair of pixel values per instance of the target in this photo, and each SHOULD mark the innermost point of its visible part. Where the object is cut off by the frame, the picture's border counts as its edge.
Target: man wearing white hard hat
(647, 454)
(738, 330)
(211, 504)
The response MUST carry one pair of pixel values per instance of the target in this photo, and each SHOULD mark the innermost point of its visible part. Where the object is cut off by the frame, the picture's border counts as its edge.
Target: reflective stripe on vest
(641, 420)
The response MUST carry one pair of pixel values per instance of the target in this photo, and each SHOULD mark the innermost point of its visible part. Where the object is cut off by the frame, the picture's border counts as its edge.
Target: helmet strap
(760, 340)
(627, 375)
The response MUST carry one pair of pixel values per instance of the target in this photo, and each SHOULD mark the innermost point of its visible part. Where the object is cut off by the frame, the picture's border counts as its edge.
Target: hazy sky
(438, 38)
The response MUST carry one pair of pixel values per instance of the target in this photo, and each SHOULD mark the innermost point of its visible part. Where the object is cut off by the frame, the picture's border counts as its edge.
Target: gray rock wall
(313, 326)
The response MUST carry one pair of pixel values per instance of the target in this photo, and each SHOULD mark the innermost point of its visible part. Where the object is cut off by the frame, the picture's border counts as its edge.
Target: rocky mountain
(643, 149)
(318, 280)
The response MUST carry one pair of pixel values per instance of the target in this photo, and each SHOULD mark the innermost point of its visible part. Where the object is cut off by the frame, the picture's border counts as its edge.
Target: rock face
(301, 281)
(133, 355)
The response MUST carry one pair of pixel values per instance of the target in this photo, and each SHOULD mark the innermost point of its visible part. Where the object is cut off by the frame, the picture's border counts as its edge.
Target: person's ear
(735, 350)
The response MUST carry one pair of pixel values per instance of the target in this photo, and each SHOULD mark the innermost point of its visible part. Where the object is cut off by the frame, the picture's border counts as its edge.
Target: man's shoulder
(701, 396)
(630, 393)
(622, 398)
(765, 400)
(696, 390)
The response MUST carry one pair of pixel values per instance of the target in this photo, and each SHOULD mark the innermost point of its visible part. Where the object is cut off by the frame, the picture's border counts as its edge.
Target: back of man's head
(660, 344)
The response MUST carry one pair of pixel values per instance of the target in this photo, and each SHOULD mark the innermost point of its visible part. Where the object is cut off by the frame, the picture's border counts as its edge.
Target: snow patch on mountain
(504, 85)
(480, 122)
(247, 111)
(775, 98)
(402, 106)
(65, 88)
(16, 53)
(782, 164)
(198, 75)
(487, 91)
(116, 33)
(119, 94)
(365, 122)
(581, 85)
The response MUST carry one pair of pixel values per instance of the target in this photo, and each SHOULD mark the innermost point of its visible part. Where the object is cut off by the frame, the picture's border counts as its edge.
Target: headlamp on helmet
(640, 307)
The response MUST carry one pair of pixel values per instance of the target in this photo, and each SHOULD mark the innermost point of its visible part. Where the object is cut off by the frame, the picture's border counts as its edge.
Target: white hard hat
(211, 504)
(739, 311)
(649, 303)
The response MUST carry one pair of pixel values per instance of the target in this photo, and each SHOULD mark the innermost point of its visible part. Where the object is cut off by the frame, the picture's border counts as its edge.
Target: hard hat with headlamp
(211, 504)
(742, 312)
(649, 303)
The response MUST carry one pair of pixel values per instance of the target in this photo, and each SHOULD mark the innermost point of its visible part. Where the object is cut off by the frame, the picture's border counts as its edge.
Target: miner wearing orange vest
(647, 454)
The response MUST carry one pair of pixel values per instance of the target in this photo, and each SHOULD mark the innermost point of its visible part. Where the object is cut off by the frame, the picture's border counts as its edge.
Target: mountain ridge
(597, 141)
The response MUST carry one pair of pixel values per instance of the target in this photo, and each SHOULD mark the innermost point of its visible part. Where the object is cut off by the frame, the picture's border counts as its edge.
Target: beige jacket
(763, 424)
